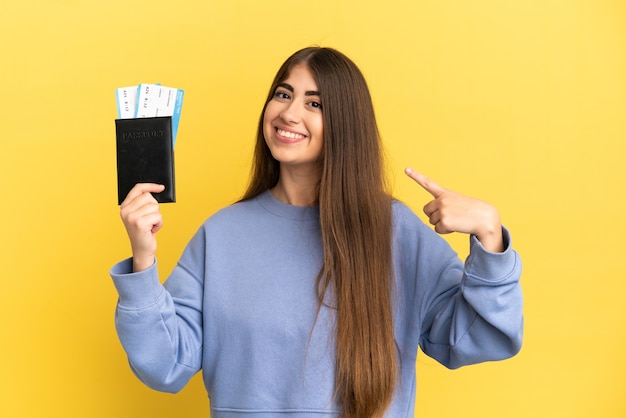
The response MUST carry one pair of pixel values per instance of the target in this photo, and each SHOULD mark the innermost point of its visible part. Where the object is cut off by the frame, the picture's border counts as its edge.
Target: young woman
(310, 296)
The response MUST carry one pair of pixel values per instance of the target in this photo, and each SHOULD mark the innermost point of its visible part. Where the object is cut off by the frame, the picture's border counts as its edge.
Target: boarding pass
(150, 100)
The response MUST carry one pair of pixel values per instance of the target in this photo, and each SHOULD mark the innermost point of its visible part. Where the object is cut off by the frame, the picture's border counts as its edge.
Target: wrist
(490, 236)
(142, 263)
(491, 239)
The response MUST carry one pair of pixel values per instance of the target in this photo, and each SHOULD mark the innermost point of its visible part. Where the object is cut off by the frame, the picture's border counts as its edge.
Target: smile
(290, 135)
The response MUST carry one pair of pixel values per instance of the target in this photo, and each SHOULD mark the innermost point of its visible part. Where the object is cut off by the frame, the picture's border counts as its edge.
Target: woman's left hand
(453, 212)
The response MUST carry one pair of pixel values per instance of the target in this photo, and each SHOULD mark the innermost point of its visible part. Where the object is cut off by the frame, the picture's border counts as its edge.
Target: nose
(292, 113)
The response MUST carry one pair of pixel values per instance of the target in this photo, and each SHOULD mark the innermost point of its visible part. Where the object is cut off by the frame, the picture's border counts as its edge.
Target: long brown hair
(355, 220)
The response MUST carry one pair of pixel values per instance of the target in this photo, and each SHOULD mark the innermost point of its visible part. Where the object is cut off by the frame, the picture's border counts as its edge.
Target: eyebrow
(290, 88)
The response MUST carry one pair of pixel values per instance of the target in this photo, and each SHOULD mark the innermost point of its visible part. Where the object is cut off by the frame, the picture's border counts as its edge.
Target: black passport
(145, 154)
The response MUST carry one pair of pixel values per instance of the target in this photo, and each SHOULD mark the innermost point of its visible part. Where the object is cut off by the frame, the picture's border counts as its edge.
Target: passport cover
(145, 155)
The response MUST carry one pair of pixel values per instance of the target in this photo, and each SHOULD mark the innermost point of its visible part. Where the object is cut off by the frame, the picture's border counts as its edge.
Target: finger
(151, 221)
(144, 217)
(141, 188)
(157, 225)
(429, 185)
(138, 205)
(437, 221)
(440, 228)
(431, 207)
(134, 213)
(434, 216)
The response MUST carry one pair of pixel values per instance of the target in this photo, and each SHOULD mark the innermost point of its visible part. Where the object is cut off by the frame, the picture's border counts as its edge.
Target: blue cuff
(490, 266)
(136, 290)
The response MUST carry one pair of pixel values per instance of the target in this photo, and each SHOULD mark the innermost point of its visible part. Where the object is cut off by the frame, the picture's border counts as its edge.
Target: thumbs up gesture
(452, 212)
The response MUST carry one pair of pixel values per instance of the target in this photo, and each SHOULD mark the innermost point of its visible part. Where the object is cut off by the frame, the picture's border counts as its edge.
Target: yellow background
(521, 103)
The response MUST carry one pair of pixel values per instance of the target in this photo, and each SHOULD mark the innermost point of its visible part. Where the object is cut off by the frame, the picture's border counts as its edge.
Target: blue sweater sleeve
(478, 318)
(160, 326)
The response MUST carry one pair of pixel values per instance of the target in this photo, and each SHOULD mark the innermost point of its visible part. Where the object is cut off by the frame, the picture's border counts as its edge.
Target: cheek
(267, 122)
(272, 110)
(319, 128)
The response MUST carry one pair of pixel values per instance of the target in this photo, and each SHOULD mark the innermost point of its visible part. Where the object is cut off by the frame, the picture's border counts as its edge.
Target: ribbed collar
(297, 213)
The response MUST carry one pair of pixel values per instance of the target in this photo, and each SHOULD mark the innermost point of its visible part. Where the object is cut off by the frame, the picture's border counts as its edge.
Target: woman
(311, 295)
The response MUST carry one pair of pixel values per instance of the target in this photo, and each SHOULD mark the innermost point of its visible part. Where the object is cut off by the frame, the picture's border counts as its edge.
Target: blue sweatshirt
(240, 305)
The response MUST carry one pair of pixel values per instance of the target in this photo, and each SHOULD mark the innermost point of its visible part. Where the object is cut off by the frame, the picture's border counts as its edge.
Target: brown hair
(355, 220)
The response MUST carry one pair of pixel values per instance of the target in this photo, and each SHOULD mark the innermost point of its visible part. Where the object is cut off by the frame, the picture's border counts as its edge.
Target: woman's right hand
(142, 219)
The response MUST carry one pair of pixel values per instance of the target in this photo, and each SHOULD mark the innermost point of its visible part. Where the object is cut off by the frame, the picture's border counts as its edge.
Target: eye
(316, 105)
(282, 94)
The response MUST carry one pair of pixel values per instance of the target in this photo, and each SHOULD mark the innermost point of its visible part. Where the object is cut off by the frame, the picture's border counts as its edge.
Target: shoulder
(232, 215)
(229, 223)
(413, 235)
(405, 219)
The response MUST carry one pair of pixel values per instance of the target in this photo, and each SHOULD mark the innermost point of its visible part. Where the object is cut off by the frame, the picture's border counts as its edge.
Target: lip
(288, 136)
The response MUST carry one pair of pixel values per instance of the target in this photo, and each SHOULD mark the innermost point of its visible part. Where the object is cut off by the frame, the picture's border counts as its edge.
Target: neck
(297, 189)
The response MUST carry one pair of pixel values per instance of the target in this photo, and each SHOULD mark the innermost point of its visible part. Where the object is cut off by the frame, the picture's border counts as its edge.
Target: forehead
(300, 76)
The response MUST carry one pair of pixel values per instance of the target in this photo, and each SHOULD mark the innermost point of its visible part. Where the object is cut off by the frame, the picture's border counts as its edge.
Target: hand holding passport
(148, 117)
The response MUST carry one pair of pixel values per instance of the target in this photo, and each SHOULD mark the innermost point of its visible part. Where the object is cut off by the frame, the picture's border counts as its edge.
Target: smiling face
(292, 122)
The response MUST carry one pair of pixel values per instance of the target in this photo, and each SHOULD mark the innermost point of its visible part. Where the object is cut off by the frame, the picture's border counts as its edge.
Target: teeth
(289, 134)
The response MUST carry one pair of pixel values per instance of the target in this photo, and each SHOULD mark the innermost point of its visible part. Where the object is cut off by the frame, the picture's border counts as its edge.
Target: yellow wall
(522, 103)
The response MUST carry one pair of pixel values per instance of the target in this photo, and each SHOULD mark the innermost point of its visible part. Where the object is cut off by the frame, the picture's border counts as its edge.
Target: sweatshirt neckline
(298, 213)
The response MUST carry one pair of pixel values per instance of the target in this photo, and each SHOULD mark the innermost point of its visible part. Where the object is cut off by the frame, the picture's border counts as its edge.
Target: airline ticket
(150, 100)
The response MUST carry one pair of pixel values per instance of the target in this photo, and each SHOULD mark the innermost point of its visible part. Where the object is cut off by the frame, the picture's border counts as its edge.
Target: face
(292, 122)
